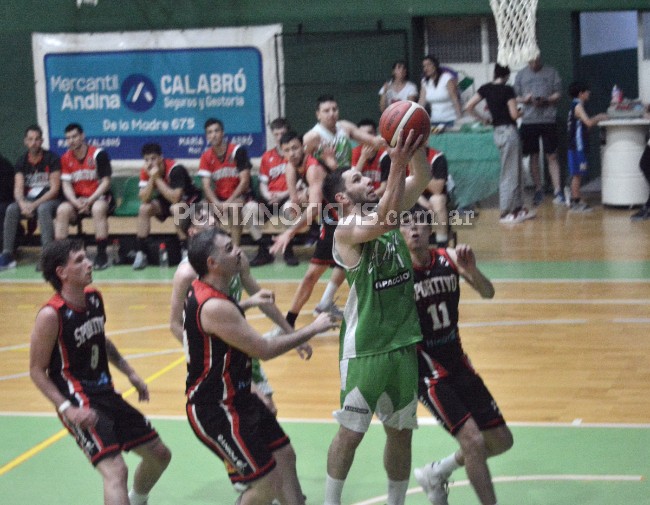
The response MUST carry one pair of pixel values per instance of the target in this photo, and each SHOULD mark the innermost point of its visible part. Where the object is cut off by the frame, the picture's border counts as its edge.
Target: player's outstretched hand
(85, 417)
(404, 148)
(304, 351)
(324, 322)
(261, 298)
(465, 257)
(280, 243)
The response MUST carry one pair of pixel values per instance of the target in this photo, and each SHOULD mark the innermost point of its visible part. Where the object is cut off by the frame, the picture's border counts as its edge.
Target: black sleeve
(103, 165)
(439, 168)
(384, 164)
(243, 162)
(178, 177)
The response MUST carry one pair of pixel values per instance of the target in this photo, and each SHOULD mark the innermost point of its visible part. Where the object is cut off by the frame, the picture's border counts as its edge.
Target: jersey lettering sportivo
(380, 315)
(216, 371)
(85, 174)
(225, 171)
(340, 140)
(376, 169)
(272, 170)
(79, 364)
(176, 176)
(437, 293)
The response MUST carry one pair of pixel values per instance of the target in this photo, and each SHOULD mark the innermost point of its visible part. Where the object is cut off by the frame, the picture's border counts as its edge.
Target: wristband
(64, 406)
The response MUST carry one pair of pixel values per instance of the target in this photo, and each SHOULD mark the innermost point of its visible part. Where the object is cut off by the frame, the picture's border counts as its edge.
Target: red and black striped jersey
(79, 363)
(437, 294)
(216, 371)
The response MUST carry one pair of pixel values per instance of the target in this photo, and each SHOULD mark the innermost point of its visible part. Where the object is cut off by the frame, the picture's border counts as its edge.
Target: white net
(515, 20)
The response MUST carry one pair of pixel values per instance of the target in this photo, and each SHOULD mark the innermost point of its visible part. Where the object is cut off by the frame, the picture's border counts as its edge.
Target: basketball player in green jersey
(378, 362)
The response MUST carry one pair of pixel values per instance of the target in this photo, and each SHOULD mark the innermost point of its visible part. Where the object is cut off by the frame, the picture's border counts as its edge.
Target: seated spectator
(371, 162)
(398, 88)
(273, 190)
(37, 189)
(165, 187)
(86, 180)
(434, 197)
(225, 172)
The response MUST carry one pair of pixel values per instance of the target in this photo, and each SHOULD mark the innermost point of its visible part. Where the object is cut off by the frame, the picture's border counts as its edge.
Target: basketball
(404, 115)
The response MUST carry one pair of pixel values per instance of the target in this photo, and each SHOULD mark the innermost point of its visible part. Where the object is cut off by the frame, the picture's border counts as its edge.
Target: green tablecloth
(474, 164)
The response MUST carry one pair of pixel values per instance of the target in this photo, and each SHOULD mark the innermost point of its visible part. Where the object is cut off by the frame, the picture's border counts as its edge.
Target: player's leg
(530, 147)
(99, 211)
(305, 289)
(397, 462)
(290, 491)
(155, 459)
(326, 303)
(114, 474)
(340, 456)
(65, 214)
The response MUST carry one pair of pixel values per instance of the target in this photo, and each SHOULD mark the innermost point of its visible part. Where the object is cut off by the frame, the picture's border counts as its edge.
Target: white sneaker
(567, 196)
(511, 218)
(140, 261)
(580, 207)
(525, 214)
(433, 483)
(331, 308)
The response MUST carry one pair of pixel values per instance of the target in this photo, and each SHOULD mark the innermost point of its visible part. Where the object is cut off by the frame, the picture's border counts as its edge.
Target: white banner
(130, 88)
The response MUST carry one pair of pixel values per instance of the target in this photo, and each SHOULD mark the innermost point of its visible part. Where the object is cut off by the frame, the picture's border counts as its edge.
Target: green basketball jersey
(340, 140)
(235, 288)
(380, 314)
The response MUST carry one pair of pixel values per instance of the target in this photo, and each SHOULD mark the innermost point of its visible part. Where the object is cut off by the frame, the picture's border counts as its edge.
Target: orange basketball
(404, 115)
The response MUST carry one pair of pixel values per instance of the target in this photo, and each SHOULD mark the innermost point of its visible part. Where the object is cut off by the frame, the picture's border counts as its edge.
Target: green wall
(19, 18)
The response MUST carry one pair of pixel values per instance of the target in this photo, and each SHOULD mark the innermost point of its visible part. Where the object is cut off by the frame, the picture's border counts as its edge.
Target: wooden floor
(550, 349)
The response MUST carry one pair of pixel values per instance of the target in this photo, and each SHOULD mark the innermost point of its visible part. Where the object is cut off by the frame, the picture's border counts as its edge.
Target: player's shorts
(323, 252)
(531, 133)
(454, 397)
(384, 384)
(110, 200)
(120, 427)
(243, 435)
(165, 205)
(577, 162)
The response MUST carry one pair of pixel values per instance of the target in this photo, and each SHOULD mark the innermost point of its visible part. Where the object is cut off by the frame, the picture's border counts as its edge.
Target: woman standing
(398, 88)
(439, 91)
(502, 104)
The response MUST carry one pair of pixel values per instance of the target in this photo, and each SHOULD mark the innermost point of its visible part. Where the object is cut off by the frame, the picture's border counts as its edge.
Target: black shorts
(454, 397)
(323, 252)
(531, 133)
(165, 205)
(121, 427)
(243, 435)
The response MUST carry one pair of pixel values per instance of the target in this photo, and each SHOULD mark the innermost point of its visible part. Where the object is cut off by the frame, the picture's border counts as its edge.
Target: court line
(60, 434)
(523, 478)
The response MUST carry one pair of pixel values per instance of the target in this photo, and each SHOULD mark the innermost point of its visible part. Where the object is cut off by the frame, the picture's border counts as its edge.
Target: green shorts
(383, 384)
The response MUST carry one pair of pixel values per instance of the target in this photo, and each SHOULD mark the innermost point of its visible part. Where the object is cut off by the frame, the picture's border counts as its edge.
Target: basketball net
(515, 20)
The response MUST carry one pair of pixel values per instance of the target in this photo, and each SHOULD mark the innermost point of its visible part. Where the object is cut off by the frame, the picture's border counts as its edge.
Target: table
(622, 180)
(474, 164)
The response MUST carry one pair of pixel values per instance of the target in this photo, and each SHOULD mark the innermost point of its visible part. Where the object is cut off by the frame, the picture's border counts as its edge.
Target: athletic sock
(328, 296)
(291, 319)
(141, 244)
(397, 491)
(102, 243)
(449, 464)
(137, 499)
(333, 491)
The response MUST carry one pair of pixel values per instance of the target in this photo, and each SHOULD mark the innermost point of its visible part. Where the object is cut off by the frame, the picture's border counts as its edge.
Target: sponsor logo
(138, 93)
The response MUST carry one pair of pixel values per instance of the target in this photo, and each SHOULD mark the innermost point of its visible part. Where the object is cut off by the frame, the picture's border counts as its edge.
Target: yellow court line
(60, 434)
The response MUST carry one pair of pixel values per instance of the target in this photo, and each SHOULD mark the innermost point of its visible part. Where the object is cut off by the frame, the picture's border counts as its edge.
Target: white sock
(397, 491)
(328, 296)
(333, 491)
(137, 499)
(449, 464)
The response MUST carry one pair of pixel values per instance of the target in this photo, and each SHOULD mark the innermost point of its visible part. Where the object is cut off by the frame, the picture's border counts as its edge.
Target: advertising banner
(127, 89)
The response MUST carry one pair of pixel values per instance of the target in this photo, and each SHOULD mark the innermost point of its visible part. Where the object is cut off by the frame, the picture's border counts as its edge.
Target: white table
(622, 180)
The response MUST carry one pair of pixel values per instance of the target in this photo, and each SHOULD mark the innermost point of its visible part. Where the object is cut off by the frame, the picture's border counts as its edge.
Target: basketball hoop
(515, 20)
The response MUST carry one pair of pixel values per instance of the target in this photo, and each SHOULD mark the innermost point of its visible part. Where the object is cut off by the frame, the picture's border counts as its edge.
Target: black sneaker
(642, 214)
(290, 258)
(101, 262)
(263, 257)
